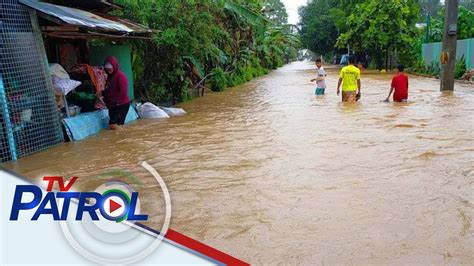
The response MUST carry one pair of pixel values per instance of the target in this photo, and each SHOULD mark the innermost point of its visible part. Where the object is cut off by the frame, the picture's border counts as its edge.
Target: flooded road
(271, 174)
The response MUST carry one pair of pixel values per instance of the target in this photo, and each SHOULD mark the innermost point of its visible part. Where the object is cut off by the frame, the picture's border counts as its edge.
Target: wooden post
(448, 49)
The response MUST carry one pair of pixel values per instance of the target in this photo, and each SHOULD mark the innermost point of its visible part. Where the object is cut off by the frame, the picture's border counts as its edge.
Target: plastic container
(72, 110)
(78, 109)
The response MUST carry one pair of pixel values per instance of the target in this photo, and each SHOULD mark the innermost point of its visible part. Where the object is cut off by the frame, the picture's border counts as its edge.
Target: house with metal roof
(37, 34)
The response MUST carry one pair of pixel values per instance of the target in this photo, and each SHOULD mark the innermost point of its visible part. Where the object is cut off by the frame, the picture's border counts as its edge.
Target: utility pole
(448, 50)
(428, 25)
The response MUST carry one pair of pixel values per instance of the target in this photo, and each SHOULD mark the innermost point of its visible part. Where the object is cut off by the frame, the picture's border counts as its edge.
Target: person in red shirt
(399, 86)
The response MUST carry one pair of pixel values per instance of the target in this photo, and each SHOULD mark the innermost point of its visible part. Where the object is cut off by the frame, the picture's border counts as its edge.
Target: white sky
(292, 9)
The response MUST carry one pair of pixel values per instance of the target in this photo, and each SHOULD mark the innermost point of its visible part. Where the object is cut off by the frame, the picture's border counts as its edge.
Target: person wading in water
(116, 93)
(350, 80)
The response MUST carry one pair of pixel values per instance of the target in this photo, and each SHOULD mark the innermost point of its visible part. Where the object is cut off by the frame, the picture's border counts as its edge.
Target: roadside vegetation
(206, 44)
(381, 33)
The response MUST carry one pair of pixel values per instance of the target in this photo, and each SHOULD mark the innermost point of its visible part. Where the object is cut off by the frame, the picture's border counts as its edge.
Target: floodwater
(271, 174)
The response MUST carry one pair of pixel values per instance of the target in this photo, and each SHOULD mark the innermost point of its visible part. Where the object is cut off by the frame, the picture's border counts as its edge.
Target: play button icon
(113, 205)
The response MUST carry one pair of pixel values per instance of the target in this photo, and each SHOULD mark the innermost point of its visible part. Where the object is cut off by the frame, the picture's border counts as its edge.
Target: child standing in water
(320, 82)
(399, 86)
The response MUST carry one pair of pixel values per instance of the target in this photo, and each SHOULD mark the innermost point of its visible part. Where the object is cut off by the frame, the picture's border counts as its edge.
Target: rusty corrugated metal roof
(136, 27)
(85, 19)
(102, 6)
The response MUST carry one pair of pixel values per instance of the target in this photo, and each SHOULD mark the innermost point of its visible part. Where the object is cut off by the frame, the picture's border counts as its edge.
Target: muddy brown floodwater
(271, 174)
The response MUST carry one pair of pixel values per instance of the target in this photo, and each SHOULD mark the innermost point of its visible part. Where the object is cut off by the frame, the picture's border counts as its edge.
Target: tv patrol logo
(113, 204)
(101, 225)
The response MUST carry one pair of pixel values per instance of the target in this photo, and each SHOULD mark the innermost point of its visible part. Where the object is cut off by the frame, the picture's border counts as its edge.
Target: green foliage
(468, 4)
(465, 25)
(412, 54)
(137, 65)
(381, 27)
(318, 25)
(435, 33)
(199, 67)
(252, 17)
(460, 68)
(419, 67)
(218, 80)
(228, 42)
(82, 96)
(186, 94)
(377, 27)
(430, 7)
(155, 93)
(434, 69)
(275, 11)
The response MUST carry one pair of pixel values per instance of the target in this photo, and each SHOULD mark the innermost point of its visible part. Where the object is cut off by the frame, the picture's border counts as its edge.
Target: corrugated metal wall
(431, 52)
(29, 120)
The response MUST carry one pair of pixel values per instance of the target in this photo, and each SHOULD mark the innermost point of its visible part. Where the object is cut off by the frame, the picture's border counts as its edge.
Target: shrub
(460, 68)
(155, 93)
(218, 80)
(434, 69)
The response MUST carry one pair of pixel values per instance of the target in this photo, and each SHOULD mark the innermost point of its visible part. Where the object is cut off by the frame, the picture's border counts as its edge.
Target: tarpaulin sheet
(86, 124)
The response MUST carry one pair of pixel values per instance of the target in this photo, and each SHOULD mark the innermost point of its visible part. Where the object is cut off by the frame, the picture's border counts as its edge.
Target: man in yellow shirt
(350, 79)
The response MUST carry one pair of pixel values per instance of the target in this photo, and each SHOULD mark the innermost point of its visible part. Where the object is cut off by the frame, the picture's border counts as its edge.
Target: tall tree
(430, 7)
(317, 26)
(275, 11)
(465, 25)
(382, 27)
(467, 4)
(218, 43)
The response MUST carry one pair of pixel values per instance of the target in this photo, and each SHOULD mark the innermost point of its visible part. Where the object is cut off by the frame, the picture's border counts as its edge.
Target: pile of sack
(62, 83)
(149, 110)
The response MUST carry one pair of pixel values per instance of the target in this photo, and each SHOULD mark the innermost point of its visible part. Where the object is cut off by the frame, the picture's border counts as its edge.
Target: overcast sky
(292, 9)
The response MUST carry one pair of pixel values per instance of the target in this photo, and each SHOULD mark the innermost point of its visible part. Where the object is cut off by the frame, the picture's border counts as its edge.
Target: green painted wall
(431, 51)
(122, 53)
